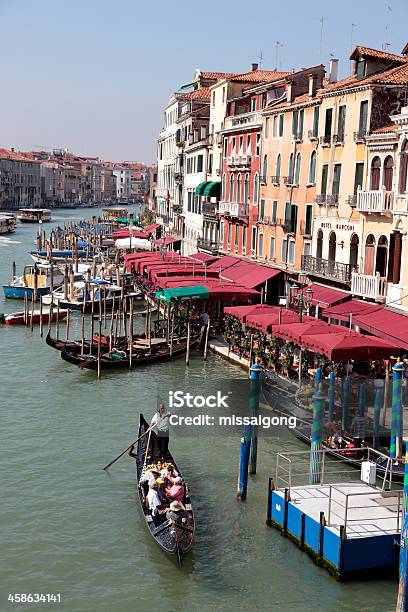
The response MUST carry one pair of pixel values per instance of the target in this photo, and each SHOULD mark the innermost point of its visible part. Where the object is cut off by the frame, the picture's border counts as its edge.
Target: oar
(130, 446)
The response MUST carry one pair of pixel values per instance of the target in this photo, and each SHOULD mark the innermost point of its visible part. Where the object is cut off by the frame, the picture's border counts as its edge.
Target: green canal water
(68, 527)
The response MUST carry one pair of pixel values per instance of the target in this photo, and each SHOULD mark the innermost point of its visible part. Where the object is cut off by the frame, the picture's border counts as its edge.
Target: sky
(94, 76)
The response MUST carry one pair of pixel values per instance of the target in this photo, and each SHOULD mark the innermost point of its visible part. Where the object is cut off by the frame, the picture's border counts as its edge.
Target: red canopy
(204, 257)
(125, 233)
(241, 312)
(350, 345)
(327, 296)
(224, 292)
(341, 312)
(166, 240)
(266, 320)
(224, 262)
(249, 274)
(151, 228)
(294, 332)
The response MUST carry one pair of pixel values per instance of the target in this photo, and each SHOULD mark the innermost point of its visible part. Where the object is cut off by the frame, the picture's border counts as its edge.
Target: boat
(19, 318)
(61, 256)
(7, 224)
(74, 300)
(174, 539)
(41, 275)
(141, 354)
(34, 215)
(76, 345)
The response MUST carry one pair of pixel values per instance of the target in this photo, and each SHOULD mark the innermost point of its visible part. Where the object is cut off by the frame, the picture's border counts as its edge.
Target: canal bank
(69, 527)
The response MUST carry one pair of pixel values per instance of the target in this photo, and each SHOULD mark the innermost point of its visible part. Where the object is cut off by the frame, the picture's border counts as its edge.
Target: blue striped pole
(346, 403)
(318, 378)
(319, 400)
(362, 399)
(396, 410)
(378, 400)
(331, 395)
(247, 434)
(402, 603)
(254, 386)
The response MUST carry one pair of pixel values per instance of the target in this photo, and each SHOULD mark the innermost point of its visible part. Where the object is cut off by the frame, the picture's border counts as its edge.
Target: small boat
(175, 539)
(141, 355)
(34, 215)
(60, 256)
(19, 318)
(76, 345)
(92, 288)
(7, 224)
(36, 274)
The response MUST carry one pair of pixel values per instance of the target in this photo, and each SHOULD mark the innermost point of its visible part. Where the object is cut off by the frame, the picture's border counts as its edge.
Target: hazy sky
(93, 75)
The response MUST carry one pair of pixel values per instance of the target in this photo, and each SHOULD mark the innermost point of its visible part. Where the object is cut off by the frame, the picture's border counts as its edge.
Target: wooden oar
(130, 446)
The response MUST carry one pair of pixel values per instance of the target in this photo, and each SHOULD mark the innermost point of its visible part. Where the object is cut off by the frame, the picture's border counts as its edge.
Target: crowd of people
(165, 493)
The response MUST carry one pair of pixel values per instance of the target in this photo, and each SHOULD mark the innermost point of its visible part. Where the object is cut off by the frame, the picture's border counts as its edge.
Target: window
(239, 188)
(222, 232)
(328, 122)
(200, 160)
(312, 169)
(244, 239)
(231, 188)
(308, 219)
(213, 99)
(274, 210)
(225, 143)
(341, 123)
(307, 248)
(210, 163)
(236, 237)
(272, 247)
(297, 168)
(278, 166)
(248, 144)
(253, 104)
(246, 189)
(291, 252)
(403, 168)
(258, 145)
(241, 143)
(358, 177)
(234, 142)
(265, 167)
(284, 250)
(223, 94)
(260, 245)
(229, 234)
(375, 174)
(336, 179)
(256, 188)
(316, 115)
(295, 119)
(267, 127)
(223, 191)
(388, 172)
(291, 217)
(291, 167)
(261, 210)
(361, 69)
(253, 239)
(281, 119)
(189, 198)
(362, 126)
(301, 123)
(274, 125)
(325, 171)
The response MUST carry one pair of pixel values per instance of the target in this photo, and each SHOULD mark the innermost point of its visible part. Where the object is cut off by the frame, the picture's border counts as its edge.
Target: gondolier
(160, 424)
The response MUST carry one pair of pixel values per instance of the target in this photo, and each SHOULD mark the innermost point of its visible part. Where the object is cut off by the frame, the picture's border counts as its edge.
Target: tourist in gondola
(153, 500)
(175, 491)
(150, 476)
(177, 512)
(160, 424)
(169, 474)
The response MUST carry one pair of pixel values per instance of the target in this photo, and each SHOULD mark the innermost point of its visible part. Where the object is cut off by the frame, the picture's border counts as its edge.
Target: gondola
(120, 359)
(74, 345)
(175, 539)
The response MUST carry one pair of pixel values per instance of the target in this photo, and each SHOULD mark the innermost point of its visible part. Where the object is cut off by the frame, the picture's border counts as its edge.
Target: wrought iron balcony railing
(327, 268)
(210, 246)
(312, 135)
(325, 140)
(360, 136)
(275, 179)
(338, 139)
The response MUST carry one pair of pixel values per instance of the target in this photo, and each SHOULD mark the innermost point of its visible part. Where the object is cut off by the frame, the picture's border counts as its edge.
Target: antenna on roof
(388, 11)
(261, 57)
(353, 26)
(278, 45)
(321, 37)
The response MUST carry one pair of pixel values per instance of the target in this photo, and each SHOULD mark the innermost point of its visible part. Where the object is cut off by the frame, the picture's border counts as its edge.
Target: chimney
(254, 67)
(333, 70)
(289, 94)
(312, 85)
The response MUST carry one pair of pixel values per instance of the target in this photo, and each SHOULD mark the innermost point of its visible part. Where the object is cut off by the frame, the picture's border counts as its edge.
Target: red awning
(342, 312)
(224, 262)
(224, 292)
(249, 274)
(125, 233)
(203, 257)
(241, 312)
(294, 332)
(386, 324)
(351, 345)
(151, 228)
(166, 240)
(327, 296)
(266, 320)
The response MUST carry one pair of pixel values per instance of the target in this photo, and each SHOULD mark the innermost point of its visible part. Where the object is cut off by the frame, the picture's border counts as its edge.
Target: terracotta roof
(297, 100)
(216, 75)
(341, 84)
(390, 127)
(395, 76)
(259, 76)
(368, 52)
(203, 93)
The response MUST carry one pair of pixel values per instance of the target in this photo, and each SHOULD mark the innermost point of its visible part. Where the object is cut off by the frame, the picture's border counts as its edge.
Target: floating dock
(351, 528)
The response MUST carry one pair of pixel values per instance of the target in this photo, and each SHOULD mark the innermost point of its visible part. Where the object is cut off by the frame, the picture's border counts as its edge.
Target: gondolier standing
(160, 423)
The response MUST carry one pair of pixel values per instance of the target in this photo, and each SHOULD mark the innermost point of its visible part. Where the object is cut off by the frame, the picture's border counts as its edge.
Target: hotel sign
(338, 226)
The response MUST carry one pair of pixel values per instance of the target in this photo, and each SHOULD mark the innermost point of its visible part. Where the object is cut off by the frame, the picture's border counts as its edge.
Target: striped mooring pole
(378, 401)
(248, 440)
(319, 400)
(346, 403)
(254, 387)
(331, 395)
(402, 602)
(396, 411)
(362, 399)
(318, 378)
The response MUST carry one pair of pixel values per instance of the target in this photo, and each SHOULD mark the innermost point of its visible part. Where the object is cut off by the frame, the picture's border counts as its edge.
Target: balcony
(237, 121)
(352, 201)
(327, 269)
(288, 180)
(209, 209)
(305, 229)
(325, 140)
(338, 139)
(177, 209)
(400, 203)
(239, 161)
(234, 209)
(208, 246)
(360, 136)
(267, 221)
(378, 201)
(323, 199)
(371, 287)
(263, 179)
(178, 176)
(297, 136)
(312, 135)
(288, 225)
(275, 179)
(180, 143)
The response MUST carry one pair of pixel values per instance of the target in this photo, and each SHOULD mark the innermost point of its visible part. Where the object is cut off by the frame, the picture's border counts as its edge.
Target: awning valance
(183, 293)
(213, 189)
(199, 190)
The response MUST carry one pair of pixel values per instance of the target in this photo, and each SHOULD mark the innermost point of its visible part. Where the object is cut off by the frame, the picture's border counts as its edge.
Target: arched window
(239, 188)
(278, 166)
(381, 258)
(375, 173)
(231, 188)
(354, 252)
(312, 168)
(403, 168)
(332, 246)
(256, 188)
(297, 168)
(224, 194)
(291, 166)
(369, 252)
(388, 172)
(246, 189)
(319, 244)
(265, 167)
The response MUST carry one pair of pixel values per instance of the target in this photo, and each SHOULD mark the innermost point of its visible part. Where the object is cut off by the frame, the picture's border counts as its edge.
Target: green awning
(213, 189)
(199, 190)
(126, 220)
(197, 292)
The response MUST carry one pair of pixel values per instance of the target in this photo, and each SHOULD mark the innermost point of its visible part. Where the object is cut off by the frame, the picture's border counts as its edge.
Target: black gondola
(174, 538)
(75, 345)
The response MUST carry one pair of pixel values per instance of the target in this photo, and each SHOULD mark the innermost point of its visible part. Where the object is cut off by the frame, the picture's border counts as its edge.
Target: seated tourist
(175, 492)
(150, 476)
(153, 499)
(177, 512)
(169, 473)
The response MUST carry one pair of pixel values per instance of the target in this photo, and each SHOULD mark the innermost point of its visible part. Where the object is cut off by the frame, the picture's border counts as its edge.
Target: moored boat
(7, 223)
(175, 538)
(34, 215)
(20, 318)
(36, 278)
